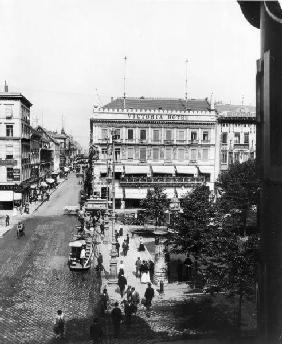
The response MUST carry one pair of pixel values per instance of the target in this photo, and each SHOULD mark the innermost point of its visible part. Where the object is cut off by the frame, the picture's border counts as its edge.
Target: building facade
(236, 134)
(165, 142)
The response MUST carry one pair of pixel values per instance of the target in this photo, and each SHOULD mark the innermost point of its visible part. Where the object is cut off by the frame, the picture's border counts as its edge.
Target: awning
(44, 184)
(119, 168)
(50, 180)
(186, 170)
(135, 193)
(163, 169)
(17, 196)
(77, 243)
(170, 193)
(6, 196)
(137, 169)
(206, 169)
(118, 193)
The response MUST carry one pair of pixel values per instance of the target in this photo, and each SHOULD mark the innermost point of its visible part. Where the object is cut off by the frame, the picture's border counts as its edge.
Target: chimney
(6, 87)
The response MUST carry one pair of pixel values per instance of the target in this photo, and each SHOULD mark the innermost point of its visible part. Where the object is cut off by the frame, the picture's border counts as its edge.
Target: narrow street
(35, 279)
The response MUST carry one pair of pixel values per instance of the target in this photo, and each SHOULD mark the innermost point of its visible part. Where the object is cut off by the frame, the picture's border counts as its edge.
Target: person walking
(116, 316)
(105, 298)
(122, 282)
(100, 259)
(151, 269)
(137, 267)
(149, 294)
(124, 248)
(127, 239)
(135, 298)
(96, 332)
(128, 293)
(117, 247)
(82, 256)
(7, 220)
(127, 313)
(59, 324)
(102, 228)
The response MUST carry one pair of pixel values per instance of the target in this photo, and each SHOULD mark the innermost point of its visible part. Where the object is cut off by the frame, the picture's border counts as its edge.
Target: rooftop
(15, 96)
(170, 104)
(235, 111)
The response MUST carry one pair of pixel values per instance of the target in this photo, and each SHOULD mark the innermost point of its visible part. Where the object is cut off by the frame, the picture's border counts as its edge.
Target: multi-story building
(15, 166)
(166, 142)
(236, 133)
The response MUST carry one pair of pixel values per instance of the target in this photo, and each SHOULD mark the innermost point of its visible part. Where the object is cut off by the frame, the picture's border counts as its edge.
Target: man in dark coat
(96, 332)
(116, 319)
(117, 247)
(149, 294)
(122, 282)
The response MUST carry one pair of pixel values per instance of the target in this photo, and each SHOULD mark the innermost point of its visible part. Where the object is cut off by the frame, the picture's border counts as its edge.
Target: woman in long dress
(141, 245)
(145, 275)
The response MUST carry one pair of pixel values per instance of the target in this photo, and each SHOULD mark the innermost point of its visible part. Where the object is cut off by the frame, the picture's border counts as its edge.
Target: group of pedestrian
(144, 270)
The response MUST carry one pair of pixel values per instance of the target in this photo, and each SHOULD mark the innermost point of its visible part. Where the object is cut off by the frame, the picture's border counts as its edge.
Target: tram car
(75, 262)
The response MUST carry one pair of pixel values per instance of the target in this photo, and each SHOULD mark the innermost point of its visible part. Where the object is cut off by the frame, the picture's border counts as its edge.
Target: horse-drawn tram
(81, 253)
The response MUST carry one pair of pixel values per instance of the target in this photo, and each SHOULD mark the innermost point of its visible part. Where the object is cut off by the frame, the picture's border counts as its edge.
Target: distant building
(15, 163)
(236, 133)
(159, 141)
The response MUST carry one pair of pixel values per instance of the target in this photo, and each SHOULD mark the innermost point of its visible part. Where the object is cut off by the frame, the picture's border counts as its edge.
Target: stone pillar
(160, 271)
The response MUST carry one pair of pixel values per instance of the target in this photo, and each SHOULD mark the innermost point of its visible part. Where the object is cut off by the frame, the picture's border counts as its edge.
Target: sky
(66, 56)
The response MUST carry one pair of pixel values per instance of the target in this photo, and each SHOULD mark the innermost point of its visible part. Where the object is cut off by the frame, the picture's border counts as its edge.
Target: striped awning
(136, 169)
(163, 169)
(186, 170)
(6, 196)
(135, 193)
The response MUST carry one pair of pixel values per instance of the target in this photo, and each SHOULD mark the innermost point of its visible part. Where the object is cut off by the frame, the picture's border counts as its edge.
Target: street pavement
(35, 279)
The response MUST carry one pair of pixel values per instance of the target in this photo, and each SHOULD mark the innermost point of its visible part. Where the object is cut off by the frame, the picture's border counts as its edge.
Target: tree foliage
(155, 205)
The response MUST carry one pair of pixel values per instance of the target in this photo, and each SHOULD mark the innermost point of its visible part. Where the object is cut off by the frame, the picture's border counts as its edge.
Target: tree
(238, 191)
(190, 226)
(155, 205)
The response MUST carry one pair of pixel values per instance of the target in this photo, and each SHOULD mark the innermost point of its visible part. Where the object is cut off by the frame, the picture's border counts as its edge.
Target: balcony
(241, 145)
(160, 181)
(193, 142)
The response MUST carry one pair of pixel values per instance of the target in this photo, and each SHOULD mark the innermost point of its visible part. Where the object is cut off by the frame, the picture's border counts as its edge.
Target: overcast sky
(58, 52)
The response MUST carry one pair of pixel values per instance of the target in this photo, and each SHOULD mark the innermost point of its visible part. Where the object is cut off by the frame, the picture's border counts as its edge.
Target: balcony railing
(161, 181)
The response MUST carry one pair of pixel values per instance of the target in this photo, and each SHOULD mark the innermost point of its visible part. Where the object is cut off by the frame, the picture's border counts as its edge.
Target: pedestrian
(151, 269)
(127, 313)
(116, 235)
(124, 248)
(100, 259)
(135, 298)
(117, 247)
(127, 239)
(128, 293)
(141, 245)
(59, 324)
(122, 282)
(7, 220)
(102, 228)
(137, 267)
(82, 255)
(96, 332)
(149, 294)
(105, 298)
(116, 319)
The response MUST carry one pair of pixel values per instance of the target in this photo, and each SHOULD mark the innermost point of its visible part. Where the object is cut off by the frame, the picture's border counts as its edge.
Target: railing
(165, 181)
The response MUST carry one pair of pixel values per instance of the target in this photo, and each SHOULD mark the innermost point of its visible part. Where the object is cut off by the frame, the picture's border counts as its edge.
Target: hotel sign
(8, 162)
(156, 117)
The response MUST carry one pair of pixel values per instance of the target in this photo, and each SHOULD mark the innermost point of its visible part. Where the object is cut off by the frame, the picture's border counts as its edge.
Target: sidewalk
(15, 217)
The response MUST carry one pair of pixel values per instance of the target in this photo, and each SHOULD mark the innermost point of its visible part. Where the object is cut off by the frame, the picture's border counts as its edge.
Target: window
(10, 173)
(156, 154)
(130, 153)
(130, 134)
(9, 152)
(9, 130)
(193, 154)
(104, 153)
(168, 135)
(116, 134)
(252, 155)
(104, 134)
(143, 153)
(168, 154)
(205, 154)
(181, 154)
(9, 111)
(193, 135)
(156, 135)
(143, 134)
(117, 154)
(181, 135)
(206, 136)
(236, 156)
(237, 138)
(224, 138)
(230, 158)
(224, 157)
(246, 138)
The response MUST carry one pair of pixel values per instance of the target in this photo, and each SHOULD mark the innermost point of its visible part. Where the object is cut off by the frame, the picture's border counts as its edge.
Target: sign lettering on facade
(8, 162)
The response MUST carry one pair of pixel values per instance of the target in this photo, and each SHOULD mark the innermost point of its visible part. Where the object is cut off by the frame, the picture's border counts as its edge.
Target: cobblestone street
(36, 281)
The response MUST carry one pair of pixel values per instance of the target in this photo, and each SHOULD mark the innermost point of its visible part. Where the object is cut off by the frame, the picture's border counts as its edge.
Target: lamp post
(113, 261)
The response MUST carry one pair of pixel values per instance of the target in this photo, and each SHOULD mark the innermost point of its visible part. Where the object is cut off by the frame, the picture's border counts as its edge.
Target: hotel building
(154, 141)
